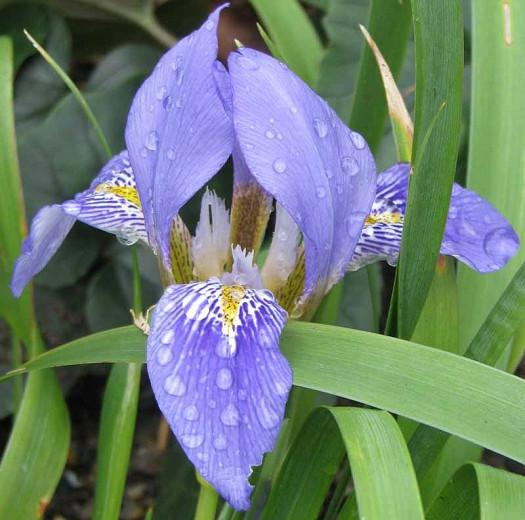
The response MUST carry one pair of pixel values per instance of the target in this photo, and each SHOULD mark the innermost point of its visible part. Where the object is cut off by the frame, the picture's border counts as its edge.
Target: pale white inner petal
(211, 243)
(244, 271)
(283, 252)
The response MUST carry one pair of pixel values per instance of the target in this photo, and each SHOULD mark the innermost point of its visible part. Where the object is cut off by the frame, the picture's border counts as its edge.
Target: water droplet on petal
(272, 120)
(320, 192)
(293, 109)
(174, 385)
(152, 140)
(178, 103)
(209, 25)
(269, 134)
(224, 349)
(164, 356)
(167, 337)
(192, 440)
(220, 442)
(467, 229)
(358, 140)
(354, 223)
(161, 93)
(283, 65)
(167, 103)
(281, 388)
(249, 146)
(72, 207)
(329, 173)
(279, 165)
(247, 63)
(500, 244)
(452, 212)
(321, 128)
(191, 413)
(267, 416)
(230, 416)
(170, 154)
(143, 152)
(349, 165)
(224, 378)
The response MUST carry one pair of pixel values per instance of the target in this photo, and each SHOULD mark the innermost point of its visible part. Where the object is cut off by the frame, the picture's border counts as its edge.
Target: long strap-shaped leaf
(36, 452)
(451, 393)
(478, 491)
(438, 31)
(382, 472)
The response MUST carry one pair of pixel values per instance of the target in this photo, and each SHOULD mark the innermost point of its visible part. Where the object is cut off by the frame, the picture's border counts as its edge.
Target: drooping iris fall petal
(475, 232)
(111, 204)
(219, 378)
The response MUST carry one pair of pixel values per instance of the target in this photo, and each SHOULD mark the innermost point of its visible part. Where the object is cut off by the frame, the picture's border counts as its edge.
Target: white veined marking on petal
(198, 310)
(267, 417)
(192, 440)
(174, 385)
(230, 415)
(164, 356)
(168, 305)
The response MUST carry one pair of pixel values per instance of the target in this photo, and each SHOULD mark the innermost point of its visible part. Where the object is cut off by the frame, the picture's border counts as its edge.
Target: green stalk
(16, 361)
(207, 501)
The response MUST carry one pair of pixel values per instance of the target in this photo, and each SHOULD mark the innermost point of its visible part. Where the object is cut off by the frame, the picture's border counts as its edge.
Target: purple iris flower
(475, 232)
(213, 349)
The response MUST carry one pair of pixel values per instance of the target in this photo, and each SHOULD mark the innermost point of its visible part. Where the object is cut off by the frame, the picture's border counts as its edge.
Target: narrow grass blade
(478, 491)
(468, 399)
(438, 32)
(293, 34)
(496, 169)
(36, 451)
(384, 480)
(17, 313)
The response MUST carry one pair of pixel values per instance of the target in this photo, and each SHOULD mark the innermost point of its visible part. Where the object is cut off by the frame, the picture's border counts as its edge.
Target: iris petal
(111, 204)
(297, 148)
(49, 228)
(475, 232)
(178, 133)
(219, 378)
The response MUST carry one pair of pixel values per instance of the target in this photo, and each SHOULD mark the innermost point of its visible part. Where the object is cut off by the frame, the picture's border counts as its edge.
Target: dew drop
(267, 416)
(230, 416)
(170, 154)
(279, 166)
(247, 63)
(152, 140)
(167, 337)
(452, 212)
(349, 165)
(269, 134)
(224, 379)
(282, 235)
(167, 103)
(210, 24)
(224, 349)
(320, 192)
(467, 229)
(191, 413)
(220, 442)
(293, 109)
(164, 356)
(272, 120)
(192, 440)
(358, 140)
(161, 93)
(143, 152)
(279, 136)
(281, 388)
(321, 128)
(354, 222)
(174, 386)
(500, 244)
(178, 102)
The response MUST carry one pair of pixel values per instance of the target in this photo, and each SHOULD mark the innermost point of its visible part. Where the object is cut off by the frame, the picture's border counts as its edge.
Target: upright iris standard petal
(219, 378)
(48, 230)
(111, 204)
(178, 134)
(322, 173)
(475, 232)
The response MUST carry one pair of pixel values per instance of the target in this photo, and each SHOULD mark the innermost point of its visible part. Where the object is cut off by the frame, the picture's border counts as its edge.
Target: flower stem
(207, 502)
